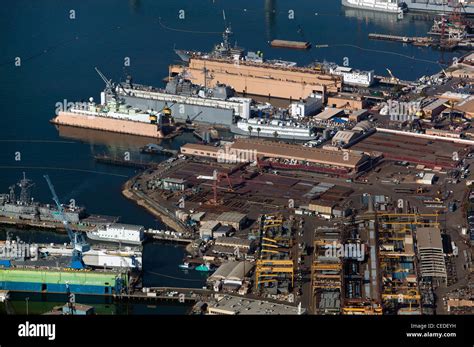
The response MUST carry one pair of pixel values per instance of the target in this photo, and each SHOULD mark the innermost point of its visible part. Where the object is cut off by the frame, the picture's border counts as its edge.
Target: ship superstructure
(187, 101)
(23, 206)
(388, 6)
(118, 233)
(441, 6)
(353, 77)
(99, 257)
(275, 128)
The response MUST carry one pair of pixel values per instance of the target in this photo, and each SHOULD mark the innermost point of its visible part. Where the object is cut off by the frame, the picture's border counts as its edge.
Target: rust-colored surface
(260, 79)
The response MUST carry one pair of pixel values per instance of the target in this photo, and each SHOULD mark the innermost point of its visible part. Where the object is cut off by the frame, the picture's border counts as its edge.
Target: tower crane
(77, 238)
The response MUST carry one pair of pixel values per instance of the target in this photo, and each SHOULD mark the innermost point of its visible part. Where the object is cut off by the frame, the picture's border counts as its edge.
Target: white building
(353, 77)
(307, 107)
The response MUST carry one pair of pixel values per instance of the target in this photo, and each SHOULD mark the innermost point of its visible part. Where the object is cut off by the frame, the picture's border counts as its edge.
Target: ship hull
(94, 237)
(262, 79)
(60, 281)
(419, 6)
(371, 8)
(101, 259)
(183, 112)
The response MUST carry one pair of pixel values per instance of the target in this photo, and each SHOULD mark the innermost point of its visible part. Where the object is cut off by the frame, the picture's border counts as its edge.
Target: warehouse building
(322, 207)
(352, 160)
(344, 137)
(433, 108)
(359, 115)
(207, 229)
(427, 179)
(306, 107)
(347, 100)
(173, 184)
(430, 252)
(349, 160)
(233, 219)
(234, 305)
(231, 274)
(232, 245)
(328, 114)
(234, 242)
(198, 150)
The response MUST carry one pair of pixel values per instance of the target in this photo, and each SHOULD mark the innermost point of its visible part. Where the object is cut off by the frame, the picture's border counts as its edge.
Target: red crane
(219, 178)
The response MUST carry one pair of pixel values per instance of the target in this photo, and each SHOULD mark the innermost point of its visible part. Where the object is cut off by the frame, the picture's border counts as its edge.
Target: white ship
(353, 77)
(440, 6)
(389, 6)
(124, 258)
(280, 129)
(119, 233)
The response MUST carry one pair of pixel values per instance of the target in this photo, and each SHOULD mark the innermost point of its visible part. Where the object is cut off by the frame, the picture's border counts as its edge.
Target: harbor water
(47, 59)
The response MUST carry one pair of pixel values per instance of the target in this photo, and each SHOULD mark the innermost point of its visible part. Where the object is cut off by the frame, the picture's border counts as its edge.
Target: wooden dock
(415, 40)
(105, 159)
(170, 237)
(181, 295)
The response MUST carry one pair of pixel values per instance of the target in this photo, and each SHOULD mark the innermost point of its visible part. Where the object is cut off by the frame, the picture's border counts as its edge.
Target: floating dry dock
(58, 280)
(290, 44)
(104, 123)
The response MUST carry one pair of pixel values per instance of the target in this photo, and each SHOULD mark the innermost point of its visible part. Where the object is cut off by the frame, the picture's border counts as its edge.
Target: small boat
(152, 149)
(186, 266)
(204, 268)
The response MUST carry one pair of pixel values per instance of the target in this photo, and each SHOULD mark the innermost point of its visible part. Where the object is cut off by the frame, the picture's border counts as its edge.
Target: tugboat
(186, 266)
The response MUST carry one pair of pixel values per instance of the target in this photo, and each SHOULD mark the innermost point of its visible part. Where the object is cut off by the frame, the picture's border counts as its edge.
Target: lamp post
(27, 299)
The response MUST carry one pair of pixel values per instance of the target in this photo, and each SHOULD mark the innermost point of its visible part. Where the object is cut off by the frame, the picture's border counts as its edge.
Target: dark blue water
(58, 56)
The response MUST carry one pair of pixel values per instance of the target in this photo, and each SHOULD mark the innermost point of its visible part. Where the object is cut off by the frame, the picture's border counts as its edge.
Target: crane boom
(108, 83)
(77, 239)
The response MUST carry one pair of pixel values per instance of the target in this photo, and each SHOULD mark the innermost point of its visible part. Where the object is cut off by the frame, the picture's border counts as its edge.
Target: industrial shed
(430, 252)
(347, 159)
(344, 137)
(234, 219)
(232, 273)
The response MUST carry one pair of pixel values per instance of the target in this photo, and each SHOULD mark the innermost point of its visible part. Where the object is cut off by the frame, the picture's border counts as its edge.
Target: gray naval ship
(441, 6)
(188, 102)
(23, 206)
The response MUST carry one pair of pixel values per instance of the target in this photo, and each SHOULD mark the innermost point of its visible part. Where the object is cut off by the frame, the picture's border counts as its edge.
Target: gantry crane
(77, 238)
